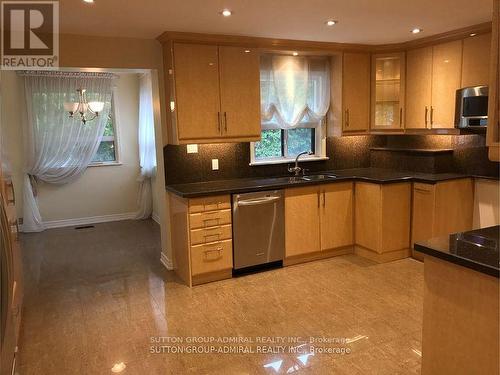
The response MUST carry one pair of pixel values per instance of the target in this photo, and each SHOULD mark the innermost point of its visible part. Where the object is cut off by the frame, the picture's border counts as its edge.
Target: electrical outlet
(192, 149)
(215, 164)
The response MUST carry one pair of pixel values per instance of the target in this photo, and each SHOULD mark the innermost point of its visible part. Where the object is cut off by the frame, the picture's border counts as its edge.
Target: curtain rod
(49, 73)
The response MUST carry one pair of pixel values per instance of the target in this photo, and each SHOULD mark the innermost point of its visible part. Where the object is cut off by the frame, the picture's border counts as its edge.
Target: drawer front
(213, 234)
(209, 219)
(216, 256)
(221, 202)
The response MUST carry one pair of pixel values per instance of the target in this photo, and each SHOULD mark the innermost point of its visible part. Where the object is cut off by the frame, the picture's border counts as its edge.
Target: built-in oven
(471, 108)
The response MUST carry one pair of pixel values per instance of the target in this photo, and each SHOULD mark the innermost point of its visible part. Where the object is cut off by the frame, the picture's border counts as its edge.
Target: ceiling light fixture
(472, 34)
(247, 51)
(88, 1)
(416, 30)
(88, 110)
(295, 53)
(226, 12)
(331, 22)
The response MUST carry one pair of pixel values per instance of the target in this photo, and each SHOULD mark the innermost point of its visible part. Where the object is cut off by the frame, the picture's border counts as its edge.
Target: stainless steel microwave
(471, 108)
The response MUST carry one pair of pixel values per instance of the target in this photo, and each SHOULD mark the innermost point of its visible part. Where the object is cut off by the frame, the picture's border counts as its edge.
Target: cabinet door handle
(347, 118)
(225, 122)
(400, 117)
(425, 117)
(218, 122)
(432, 115)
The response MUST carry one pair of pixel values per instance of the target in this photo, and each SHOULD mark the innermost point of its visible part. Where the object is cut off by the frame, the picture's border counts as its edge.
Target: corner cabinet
(388, 92)
(214, 93)
(318, 221)
(382, 225)
(356, 92)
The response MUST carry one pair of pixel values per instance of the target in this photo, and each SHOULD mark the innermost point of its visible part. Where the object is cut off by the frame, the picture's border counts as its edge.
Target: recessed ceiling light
(88, 1)
(295, 53)
(331, 22)
(247, 51)
(472, 34)
(416, 30)
(226, 12)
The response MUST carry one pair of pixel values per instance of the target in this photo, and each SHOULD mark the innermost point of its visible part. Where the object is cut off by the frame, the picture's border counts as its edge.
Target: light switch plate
(215, 164)
(192, 149)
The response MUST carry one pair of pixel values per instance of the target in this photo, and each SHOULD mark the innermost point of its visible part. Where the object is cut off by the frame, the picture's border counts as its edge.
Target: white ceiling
(360, 21)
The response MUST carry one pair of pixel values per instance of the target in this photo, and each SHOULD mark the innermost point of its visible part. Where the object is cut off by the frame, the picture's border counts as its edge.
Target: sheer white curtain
(147, 149)
(294, 89)
(59, 149)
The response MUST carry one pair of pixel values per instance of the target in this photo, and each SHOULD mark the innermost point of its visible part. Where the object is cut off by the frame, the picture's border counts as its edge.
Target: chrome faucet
(297, 169)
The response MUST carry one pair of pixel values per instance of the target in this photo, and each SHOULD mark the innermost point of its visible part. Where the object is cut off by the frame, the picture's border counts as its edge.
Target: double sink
(314, 177)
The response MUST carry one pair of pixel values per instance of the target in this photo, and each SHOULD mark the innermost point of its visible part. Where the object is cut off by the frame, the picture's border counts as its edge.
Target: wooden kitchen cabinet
(240, 92)
(418, 87)
(201, 237)
(356, 92)
(433, 76)
(441, 209)
(446, 80)
(336, 215)
(476, 60)
(302, 228)
(214, 93)
(388, 92)
(318, 221)
(382, 220)
(197, 91)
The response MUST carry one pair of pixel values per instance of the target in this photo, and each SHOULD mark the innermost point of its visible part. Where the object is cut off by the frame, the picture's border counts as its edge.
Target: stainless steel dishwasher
(258, 229)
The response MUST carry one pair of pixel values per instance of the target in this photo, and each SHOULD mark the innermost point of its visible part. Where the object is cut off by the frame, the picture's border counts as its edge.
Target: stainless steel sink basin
(319, 177)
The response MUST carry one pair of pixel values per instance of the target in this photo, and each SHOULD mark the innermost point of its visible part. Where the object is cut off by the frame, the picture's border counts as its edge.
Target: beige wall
(486, 203)
(108, 53)
(104, 190)
(100, 191)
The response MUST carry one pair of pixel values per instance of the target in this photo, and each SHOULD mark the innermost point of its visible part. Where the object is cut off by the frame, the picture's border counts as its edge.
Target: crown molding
(314, 46)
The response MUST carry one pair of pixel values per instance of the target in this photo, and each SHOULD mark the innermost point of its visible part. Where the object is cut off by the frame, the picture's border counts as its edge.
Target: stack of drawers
(210, 234)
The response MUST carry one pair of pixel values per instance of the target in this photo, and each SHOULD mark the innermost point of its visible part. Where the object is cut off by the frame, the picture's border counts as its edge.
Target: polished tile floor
(96, 298)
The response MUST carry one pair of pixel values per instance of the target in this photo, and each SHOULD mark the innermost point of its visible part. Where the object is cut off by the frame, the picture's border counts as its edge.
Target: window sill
(288, 161)
(106, 164)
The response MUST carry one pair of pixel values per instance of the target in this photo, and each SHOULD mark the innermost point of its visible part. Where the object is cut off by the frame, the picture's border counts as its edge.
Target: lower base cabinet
(382, 220)
(440, 209)
(318, 221)
(201, 231)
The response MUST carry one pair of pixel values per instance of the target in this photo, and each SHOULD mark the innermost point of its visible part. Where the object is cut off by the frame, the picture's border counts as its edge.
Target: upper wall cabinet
(388, 92)
(476, 60)
(433, 76)
(446, 75)
(356, 92)
(215, 93)
(418, 87)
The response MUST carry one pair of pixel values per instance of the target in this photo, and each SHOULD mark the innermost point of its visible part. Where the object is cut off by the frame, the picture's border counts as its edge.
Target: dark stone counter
(243, 185)
(475, 249)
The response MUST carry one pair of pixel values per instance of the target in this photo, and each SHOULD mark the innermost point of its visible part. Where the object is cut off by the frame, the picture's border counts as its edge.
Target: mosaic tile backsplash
(469, 155)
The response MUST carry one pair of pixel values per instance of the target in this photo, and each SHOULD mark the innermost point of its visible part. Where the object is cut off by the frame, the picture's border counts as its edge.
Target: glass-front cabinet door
(388, 77)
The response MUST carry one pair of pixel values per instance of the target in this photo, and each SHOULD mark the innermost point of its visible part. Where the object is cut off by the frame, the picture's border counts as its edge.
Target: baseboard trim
(155, 217)
(303, 258)
(166, 262)
(88, 220)
(381, 257)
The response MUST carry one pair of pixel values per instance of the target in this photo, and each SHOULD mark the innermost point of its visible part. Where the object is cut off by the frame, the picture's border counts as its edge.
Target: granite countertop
(243, 185)
(475, 249)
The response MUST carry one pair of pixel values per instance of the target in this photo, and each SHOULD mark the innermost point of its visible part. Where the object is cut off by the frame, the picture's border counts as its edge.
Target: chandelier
(88, 111)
